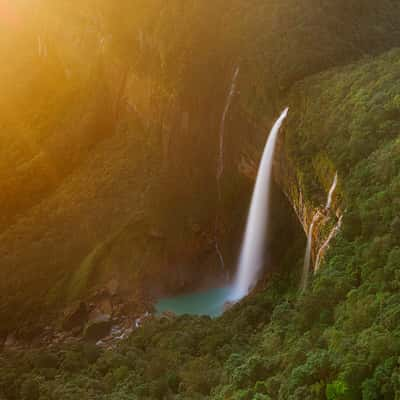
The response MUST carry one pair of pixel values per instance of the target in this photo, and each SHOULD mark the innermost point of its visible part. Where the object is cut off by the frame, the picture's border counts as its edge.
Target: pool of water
(209, 302)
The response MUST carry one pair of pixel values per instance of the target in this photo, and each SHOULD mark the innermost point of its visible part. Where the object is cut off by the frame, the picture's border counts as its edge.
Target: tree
(30, 389)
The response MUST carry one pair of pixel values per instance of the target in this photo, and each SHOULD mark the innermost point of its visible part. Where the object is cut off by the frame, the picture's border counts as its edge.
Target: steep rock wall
(289, 176)
(326, 219)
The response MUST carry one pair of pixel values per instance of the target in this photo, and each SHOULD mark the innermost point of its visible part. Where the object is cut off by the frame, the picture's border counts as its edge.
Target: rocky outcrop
(323, 211)
(98, 328)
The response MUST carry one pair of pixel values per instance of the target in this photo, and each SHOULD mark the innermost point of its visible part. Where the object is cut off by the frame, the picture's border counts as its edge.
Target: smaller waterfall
(336, 228)
(307, 257)
(219, 254)
(220, 167)
(317, 216)
(325, 246)
(331, 191)
(252, 253)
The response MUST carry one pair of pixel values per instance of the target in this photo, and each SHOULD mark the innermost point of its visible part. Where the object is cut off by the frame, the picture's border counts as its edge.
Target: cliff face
(124, 211)
(339, 123)
(325, 219)
(109, 156)
(320, 216)
(114, 187)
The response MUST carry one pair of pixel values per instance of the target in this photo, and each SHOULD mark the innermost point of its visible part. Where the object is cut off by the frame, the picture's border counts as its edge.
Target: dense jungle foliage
(73, 116)
(340, 339)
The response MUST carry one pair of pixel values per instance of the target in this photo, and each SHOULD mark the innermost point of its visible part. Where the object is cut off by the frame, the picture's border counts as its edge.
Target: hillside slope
(338, 340)
(151, 76)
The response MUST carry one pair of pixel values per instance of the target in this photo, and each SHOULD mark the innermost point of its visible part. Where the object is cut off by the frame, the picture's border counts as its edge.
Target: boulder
(101, 304)
(98, 328)
(169, 315)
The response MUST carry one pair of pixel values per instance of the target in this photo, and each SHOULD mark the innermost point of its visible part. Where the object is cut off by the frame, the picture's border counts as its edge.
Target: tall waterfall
(220, 166)
(252, 253)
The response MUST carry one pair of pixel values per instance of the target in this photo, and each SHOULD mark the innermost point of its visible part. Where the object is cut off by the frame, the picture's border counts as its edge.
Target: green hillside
(110, 122)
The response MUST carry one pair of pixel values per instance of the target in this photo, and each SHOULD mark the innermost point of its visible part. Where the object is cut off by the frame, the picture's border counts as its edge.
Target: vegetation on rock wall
(339, 340)
(146, 82)
(87, 194)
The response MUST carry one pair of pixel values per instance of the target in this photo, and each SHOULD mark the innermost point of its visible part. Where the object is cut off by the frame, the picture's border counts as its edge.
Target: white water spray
(252, 254)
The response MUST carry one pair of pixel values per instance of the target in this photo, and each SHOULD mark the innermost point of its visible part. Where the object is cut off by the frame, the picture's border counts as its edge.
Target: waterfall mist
(252, 253)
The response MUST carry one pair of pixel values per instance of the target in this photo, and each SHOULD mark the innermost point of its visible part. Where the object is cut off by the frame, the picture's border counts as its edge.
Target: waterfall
(307, 257)
(325, 246)
(331, 191)
(220, 167)
(317, 216)
(335, 229)
(219, 253)
(252, 253)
